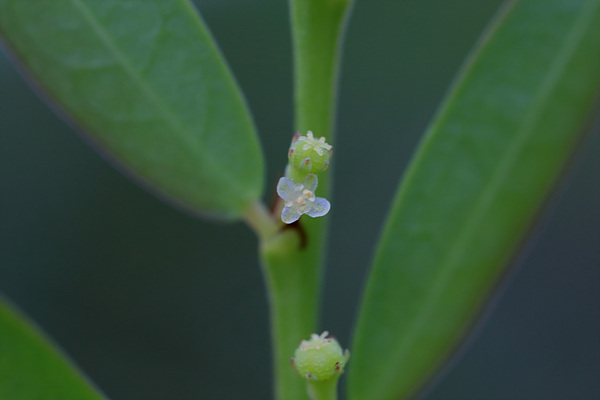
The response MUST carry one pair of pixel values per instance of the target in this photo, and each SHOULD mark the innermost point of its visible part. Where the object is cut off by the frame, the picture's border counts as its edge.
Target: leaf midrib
(179, 128)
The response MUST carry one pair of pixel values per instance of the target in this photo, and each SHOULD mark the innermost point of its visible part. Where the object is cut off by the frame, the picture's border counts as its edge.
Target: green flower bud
(320, 358)
(320, 361)
(308, 154)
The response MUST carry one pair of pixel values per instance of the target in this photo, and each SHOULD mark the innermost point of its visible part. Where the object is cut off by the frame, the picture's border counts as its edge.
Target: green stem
(323, 390)
(292, 258)
(260, 220)
(317, 31)
(293, 285)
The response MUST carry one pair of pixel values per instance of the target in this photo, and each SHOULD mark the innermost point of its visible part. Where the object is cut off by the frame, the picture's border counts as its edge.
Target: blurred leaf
(146, 80)
(474, 189)
(31, 368)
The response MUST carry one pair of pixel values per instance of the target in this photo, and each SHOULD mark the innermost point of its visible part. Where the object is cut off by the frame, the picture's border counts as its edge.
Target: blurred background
(153, 304)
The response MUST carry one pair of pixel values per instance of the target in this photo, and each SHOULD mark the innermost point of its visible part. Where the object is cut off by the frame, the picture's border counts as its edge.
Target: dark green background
(154, 304)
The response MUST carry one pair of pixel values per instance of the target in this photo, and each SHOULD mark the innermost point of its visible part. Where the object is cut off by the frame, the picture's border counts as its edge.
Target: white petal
(319, 207)
(286, 188)
(290, 214)
(311, 182)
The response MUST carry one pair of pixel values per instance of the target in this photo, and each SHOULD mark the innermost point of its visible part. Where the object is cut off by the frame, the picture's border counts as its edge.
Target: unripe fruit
(308, 154)
(320, 358)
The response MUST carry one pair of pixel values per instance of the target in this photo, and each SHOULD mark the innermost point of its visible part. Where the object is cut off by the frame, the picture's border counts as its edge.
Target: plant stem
(317, 31)
(292, 258)
(323, 390)
(293, 284)
(260, 220)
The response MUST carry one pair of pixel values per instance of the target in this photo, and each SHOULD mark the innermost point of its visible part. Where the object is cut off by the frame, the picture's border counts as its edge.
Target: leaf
(31, 368)
(484, 170)
(146, 81)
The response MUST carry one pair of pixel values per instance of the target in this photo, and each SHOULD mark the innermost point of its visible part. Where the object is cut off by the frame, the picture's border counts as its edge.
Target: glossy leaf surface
(475, 187)
(146, 81)
(31, 368)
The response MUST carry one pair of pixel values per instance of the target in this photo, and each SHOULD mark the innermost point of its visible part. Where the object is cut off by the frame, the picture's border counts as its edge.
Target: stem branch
(260, 220)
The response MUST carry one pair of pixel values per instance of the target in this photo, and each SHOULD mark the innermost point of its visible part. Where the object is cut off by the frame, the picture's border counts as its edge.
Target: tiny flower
(309, 154)
(308, 142)
(320, 358)
(299, 198)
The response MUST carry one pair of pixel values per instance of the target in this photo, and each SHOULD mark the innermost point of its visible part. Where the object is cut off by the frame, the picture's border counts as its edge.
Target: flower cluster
(320, 359)
(307, 157)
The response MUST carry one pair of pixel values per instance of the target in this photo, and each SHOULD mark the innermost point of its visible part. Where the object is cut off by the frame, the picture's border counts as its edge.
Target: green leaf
(145, 79)
(31, 368)
(484, 170)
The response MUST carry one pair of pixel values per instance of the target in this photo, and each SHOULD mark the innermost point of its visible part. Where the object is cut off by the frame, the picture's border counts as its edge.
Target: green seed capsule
(320, 358)
(308, 154)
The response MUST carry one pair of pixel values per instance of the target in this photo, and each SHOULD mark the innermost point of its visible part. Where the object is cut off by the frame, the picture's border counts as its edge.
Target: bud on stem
(309, 155)
(320, 361)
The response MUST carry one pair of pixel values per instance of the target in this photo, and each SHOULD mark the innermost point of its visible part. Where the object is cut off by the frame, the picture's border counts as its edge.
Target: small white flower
(310, 143)
(299, 198)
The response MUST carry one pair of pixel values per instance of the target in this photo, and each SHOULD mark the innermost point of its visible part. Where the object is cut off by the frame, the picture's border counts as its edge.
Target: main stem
(293, 286)
(292, 258)
(323, 390)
